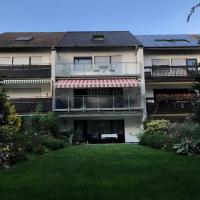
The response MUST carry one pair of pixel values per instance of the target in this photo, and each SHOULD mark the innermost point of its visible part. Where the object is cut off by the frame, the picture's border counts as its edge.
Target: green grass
(92, 172)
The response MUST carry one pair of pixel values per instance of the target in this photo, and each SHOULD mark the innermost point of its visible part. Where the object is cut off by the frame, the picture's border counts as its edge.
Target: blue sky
(137, 16)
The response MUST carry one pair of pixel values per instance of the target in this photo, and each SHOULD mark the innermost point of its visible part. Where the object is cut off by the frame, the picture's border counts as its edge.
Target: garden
(182, 137)
(23, 137)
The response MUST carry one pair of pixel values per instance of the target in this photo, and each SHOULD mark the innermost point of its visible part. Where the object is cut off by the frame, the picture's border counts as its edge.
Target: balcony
(170, 72)
(28, 105)
(96, 70)
(173, 106)
(96, 103)
(25, 71)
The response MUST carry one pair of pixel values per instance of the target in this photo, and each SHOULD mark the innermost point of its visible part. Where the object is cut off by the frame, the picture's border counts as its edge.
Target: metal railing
(182, 106)
(25, 71)
(99, 69)
(170, 71)
(28, 105)
(96, 103)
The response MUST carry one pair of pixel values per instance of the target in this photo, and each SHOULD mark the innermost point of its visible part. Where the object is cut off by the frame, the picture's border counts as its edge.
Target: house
(25, 66)
(95, 80)
(101, 82)
(170, 64)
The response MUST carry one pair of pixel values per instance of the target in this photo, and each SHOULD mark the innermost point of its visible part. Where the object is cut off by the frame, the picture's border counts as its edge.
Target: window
(83, 60)
(171, 40)
(21, 60)
(98, 37)
(83, 64)
(5, 61)
(107, 59)
(23, 38)
(178, 61)
(160, 62)
(99, 92)
(191, 62)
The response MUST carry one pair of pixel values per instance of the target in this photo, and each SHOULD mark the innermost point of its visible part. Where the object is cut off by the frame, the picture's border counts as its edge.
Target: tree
(193, 9)
(10, 123)
(196, 86)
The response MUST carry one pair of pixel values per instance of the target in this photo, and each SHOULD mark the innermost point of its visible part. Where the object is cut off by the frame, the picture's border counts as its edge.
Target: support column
(140, 60)
(54, 58)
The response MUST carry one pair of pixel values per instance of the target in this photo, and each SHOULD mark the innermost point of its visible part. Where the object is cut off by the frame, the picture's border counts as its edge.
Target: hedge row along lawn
(119, 171)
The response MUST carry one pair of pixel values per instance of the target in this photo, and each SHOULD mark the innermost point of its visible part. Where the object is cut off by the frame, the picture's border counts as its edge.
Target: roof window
(171, 40)
(98, 37)
(23, 38)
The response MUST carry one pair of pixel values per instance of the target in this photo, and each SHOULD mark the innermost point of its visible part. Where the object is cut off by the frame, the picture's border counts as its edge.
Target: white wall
(28, 90)
(148, 58)
(133, 127)
(68, 57)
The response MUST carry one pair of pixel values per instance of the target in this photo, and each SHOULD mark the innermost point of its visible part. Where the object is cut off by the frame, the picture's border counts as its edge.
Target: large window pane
(160, 62)
(178, 61)
(21, 61)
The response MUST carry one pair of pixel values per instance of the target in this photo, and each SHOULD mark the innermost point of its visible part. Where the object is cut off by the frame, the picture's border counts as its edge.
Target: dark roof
(111, 39)
(37, 39)
(160, 41)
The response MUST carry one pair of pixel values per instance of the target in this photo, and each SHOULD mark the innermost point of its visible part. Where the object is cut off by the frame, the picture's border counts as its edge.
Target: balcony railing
(28, 105)
(157, 72)
(25, 71)
(183, 106)
(100, 69)
(96, 103)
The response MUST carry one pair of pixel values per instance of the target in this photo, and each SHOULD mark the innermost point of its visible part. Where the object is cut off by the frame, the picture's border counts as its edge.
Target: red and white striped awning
(97, 83)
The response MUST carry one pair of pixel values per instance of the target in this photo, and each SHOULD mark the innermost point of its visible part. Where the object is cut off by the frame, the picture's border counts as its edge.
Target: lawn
(121, 171)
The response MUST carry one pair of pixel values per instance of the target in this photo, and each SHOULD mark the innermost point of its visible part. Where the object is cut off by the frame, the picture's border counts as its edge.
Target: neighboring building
(25, 66)
(170, 64)
(96, 80)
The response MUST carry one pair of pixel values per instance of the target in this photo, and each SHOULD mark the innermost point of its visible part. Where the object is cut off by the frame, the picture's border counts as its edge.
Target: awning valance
(97, 83)
(26, 81)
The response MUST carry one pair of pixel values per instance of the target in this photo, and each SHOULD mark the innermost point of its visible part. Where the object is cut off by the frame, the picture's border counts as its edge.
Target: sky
(137, 16)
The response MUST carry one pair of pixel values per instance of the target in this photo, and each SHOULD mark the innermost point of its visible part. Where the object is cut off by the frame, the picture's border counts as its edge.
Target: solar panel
(23, 38)
(168, 40)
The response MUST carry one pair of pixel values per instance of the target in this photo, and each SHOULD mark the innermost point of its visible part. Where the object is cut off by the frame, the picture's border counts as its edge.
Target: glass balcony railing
(157, 72)
(96, 103)
(100, 69)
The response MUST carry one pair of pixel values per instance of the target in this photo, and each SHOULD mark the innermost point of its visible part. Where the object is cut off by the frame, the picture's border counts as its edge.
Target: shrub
(42, 124)
(184, 130)
(157, 126)
(11, 153)
(53, 144)
(67, 136)
(157, 140)
(188, 146)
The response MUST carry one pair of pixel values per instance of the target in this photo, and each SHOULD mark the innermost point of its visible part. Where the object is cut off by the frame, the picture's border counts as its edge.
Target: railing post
(113, 102)
(129, 104)
(83, 103)
(68, 103)
(98, 103)
(126, 70)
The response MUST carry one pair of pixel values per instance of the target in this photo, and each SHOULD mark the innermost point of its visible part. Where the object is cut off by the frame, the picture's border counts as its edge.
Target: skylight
(23, 38)
(98, 37)
(171, 40)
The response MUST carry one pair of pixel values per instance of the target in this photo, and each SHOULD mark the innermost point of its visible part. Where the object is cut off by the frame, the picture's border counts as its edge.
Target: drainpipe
(140, 60)
(53, 74)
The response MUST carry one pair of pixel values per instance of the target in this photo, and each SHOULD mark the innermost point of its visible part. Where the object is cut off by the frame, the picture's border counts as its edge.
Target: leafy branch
(193, 9)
